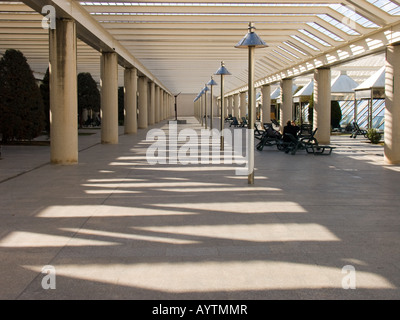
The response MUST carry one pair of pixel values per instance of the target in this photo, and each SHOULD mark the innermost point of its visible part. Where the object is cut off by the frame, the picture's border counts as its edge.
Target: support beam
(392, 112)
(130, 98)
(236, 106)
(230, 107)
(286, 112)
(109, 97)
(266, 104)
(63, 93)
(143, 116)
(157, 104)
(243, 105)
(322, 105)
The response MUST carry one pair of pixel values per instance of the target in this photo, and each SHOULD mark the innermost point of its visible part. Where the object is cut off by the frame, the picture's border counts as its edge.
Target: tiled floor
(116, 227)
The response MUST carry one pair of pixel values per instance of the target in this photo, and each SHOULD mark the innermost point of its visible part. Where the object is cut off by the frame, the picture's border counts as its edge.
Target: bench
(319, 149)
(357, 130)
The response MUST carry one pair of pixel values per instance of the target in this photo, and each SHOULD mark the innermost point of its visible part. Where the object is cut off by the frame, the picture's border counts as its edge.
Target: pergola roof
(180, 44)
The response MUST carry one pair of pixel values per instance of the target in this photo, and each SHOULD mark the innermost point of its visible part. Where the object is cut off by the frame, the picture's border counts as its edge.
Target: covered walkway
(115, 227)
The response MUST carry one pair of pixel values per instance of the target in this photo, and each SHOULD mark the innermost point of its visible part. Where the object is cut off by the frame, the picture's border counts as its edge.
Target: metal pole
(201, 112)
(205, 107)
(176, 112)
(222, 113)
(211, 109)
(250, 126)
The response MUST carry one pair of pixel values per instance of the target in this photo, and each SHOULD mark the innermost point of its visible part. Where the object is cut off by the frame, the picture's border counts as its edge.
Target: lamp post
(211, 83)
(196, 107)
(201, 107)
(223, 72)
(176, 109)
(205, 105)
(251, 41)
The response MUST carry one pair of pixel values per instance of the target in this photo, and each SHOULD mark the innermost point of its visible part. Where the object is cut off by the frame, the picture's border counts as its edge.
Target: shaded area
(115, 227)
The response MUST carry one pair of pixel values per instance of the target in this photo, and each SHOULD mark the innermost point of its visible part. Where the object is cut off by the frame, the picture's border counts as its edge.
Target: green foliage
(21, 105)
(374, 136)
(311, 109)
(336, 114)
(88, 94)
(121, 106)
(45, 91)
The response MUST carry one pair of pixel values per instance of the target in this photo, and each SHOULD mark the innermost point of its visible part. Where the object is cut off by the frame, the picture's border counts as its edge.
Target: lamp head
(222, 70)
(251, 39)
(212, 82)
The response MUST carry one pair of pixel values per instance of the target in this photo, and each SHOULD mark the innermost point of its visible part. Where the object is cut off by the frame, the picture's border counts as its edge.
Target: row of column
(145, 102)
(237, 106)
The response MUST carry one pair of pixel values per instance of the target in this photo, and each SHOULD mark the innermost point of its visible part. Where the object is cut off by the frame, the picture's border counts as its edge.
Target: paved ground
(116, 227)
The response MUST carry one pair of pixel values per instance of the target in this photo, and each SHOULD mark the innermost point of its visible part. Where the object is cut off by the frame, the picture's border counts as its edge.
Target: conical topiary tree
(121, 106)
(336, 114)
(21, 106)
(88, 95)
(45, 91)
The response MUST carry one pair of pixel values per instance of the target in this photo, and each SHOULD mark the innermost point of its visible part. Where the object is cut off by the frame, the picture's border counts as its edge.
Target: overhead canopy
(373, 87)
(307, 90)
(180, 44)
(377, 80)
(343, 84)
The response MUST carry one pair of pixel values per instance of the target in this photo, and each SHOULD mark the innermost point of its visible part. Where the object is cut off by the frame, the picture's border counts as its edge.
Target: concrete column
(152, 115)
(130, 99)
(164, 109)
(168, 106)
(157, 104)
(322, 105)
(230, 107)
(226, 108)
(109, 97)
(143, 116)
(392, 111)
(148, 102)
(243, 104)
(236, 105)
(171, 106)
(266, 104)
(63, 93)
(286, 112)
(161, 104)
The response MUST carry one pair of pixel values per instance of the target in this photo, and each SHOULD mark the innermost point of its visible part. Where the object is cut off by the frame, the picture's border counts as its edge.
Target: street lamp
(176, 109)
(205, 105)
(211, 83)
(196, 107)
(201, 107)
(223, 72)
(251, 41)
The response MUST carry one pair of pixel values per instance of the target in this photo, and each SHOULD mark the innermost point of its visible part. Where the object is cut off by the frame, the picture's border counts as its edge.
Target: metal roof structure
(179, 44)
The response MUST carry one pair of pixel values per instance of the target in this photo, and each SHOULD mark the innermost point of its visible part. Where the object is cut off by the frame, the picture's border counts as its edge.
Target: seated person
(297, 128)
(289, 128)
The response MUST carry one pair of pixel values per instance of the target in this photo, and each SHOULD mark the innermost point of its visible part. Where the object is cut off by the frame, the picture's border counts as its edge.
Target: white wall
(185, 104)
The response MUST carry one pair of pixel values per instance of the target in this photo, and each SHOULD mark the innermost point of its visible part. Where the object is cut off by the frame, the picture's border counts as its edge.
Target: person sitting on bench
(289, 128)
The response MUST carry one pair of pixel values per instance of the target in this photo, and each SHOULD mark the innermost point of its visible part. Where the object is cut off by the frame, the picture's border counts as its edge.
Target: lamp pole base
(250, 178)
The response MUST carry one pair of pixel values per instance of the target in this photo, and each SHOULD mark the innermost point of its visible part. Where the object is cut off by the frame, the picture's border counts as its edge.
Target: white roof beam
(92, 33)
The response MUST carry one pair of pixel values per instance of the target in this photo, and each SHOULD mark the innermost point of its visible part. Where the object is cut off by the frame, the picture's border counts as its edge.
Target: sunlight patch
(210, 276)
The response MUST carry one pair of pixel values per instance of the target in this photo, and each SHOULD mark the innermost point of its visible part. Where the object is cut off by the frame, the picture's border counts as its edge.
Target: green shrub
(336, 114)
(374, 136)
(88, 95)
(21, 105)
